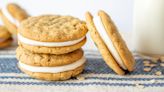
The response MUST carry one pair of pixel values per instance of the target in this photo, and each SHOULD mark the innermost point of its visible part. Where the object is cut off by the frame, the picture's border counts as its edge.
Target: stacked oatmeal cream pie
(50, 47)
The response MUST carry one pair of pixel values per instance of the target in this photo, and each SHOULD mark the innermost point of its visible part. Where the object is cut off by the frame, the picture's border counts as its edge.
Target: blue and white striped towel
(98, 77)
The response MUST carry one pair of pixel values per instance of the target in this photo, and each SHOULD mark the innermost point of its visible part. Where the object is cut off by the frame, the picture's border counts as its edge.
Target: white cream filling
(9, 17)
(56, 69)
(108, 42)
(48, 44)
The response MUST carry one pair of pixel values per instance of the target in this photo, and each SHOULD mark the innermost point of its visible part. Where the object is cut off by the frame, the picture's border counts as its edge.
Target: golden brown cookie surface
(5, 37)
(107, 56)
(6, 43)
(4, 33)
(114, 51)
(117, 40)
(53, 28)
(47, 60)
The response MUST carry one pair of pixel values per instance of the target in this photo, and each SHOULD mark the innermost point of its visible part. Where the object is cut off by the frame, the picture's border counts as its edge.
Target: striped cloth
(98, 77)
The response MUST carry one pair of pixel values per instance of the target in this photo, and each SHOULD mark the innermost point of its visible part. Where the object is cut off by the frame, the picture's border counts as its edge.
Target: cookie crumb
(146, 62)
(158, 73)
(147, 69)
(162, 64)
(153, 81)
(140, 86)
(81, 78)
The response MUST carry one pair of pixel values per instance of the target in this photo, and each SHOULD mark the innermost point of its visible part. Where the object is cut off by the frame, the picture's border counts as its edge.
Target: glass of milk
(148, 32)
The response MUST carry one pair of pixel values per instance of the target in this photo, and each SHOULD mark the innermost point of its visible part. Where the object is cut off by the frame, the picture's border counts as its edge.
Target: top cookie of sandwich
(53, 28)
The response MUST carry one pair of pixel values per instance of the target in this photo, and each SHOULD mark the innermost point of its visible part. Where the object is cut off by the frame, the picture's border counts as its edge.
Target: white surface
(108, 41)
(56, 69)
(48, 44)
(149, 26)
(120, 10)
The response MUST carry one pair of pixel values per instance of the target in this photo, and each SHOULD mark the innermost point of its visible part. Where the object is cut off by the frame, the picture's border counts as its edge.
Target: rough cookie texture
(107, 56)
(53, 50)
(47, 60)
(118, 41)
(55, 76)
(53, 28)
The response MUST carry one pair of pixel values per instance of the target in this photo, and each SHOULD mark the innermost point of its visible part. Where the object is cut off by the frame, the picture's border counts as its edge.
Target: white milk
(148, 30)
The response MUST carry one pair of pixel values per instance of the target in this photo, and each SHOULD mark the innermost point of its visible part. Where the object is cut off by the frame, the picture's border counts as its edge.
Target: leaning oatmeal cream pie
(50, 66)
(110, 43)
(52, 34)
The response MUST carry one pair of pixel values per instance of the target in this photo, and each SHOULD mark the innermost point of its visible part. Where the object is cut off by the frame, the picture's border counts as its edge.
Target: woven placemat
(97, 77)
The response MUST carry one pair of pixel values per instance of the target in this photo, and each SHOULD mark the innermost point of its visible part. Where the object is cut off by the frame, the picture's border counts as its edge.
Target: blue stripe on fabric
(93, 65)
(88, 78)
(80, 84)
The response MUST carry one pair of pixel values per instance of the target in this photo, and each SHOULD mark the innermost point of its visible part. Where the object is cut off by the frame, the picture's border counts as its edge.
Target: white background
(119, 10)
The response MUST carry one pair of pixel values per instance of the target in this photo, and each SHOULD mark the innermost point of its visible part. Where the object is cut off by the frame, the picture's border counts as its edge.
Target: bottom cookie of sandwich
(54, 76)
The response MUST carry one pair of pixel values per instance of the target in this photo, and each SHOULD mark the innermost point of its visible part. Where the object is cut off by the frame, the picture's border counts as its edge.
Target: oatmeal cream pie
(50, 66)
(12, 15)
(110, 43)
(5, 37)
(52, 34)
